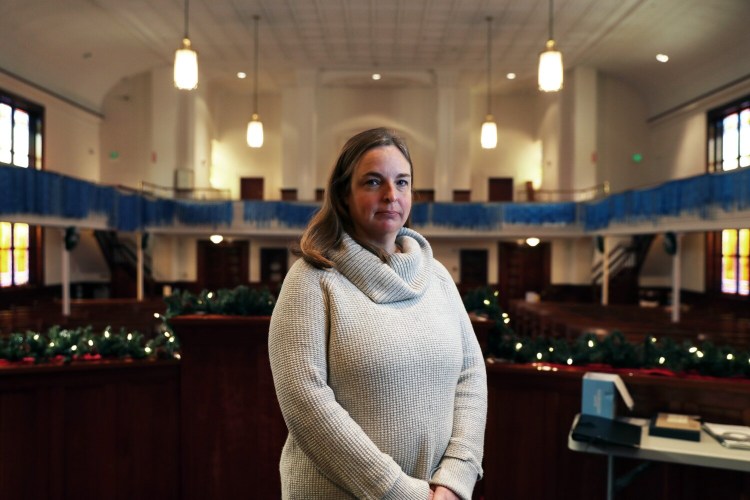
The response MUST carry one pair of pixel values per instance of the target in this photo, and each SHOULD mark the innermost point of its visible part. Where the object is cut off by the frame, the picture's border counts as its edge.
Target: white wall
(622, 132)
(519, 152)
(126, 132)
(572, 259)
(343, 112)
(231, 157)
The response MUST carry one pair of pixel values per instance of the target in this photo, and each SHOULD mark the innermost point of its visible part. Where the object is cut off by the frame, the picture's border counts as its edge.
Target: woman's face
(380, 199)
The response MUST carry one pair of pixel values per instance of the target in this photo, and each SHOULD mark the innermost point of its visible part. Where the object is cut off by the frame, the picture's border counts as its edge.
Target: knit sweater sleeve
(461, 464)
(321, 427)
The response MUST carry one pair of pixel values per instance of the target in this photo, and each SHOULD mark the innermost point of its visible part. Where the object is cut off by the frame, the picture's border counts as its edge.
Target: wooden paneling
(232, 428)
(529, 416)
(90, 431)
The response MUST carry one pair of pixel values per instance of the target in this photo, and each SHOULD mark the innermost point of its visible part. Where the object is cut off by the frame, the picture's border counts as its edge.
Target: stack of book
(673, 425)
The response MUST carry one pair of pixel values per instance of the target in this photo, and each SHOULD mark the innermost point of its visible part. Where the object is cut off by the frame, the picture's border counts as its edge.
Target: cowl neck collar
(405, 275)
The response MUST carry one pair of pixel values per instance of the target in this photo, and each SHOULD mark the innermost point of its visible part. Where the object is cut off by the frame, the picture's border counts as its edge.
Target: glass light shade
(255, 132)
(550, 69)
(216, 238)
(185, 67)
(489, 133)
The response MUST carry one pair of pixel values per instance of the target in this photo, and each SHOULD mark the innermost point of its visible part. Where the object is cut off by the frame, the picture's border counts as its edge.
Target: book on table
(606, 431)
(675, 426)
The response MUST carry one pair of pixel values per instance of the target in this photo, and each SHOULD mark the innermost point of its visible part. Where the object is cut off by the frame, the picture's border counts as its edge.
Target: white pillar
(300, 136)
(65, 269)
(605, 273)
(584, 127)
(446, 134)
(676, 279)
(139, 270)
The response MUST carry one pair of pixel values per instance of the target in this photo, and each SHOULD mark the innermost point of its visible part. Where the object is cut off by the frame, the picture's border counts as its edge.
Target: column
(65, 270)
(605, 272)
(299, 136)
(139, 270)
(676, 278)
(446, 134)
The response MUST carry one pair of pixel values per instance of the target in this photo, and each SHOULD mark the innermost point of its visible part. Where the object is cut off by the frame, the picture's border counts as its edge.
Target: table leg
(610, 477)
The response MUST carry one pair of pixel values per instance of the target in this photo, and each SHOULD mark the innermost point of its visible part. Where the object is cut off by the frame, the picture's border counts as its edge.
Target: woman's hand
(443, 493)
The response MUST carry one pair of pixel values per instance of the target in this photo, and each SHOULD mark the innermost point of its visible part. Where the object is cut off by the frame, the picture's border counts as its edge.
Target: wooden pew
(97, 313)
(571, 320)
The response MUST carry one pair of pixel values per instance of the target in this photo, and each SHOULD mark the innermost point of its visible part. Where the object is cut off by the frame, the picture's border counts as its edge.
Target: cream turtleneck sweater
(379, 376)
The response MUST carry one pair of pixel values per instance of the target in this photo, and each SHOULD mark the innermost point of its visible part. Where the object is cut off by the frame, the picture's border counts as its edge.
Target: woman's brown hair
(327, 227)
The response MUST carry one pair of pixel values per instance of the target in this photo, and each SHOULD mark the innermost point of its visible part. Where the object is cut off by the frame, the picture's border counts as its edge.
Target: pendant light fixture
(489, 128)
(550, 62)
(186, 62)
(255, 127)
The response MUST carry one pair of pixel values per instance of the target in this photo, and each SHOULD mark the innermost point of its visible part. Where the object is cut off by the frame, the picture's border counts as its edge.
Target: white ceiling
(80, 49)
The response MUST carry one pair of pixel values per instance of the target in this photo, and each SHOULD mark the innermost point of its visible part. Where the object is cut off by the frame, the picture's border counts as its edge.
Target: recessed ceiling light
(511, 76)
(241, 75)
(376, 76)
(662, 58)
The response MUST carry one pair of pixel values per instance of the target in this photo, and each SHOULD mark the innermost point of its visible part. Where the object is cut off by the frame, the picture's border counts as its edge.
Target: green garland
(240, 301)
(83, 343)
(614, 350)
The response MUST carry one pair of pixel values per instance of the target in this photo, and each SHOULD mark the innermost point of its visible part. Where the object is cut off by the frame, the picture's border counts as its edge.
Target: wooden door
(273, 266)
(473, 268)
(500, 188)
(522, 269)
(251, 188)
(224, 265)
(424, 195)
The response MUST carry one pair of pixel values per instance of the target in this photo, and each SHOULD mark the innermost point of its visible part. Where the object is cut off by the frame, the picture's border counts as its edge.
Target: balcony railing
(55, 199)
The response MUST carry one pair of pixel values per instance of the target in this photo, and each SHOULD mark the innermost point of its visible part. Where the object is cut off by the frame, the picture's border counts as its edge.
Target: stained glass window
(729, 149)
(735, 253)
(20, 146)
(14, 254)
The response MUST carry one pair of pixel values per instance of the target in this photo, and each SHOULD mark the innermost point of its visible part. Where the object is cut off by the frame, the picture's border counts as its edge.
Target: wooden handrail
(528, 193)
(191, 193)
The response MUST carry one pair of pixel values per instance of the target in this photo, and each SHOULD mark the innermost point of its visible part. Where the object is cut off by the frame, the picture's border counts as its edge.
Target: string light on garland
(63, 345)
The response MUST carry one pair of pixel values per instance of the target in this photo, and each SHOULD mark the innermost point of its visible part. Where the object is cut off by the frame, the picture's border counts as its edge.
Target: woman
(376, 367)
